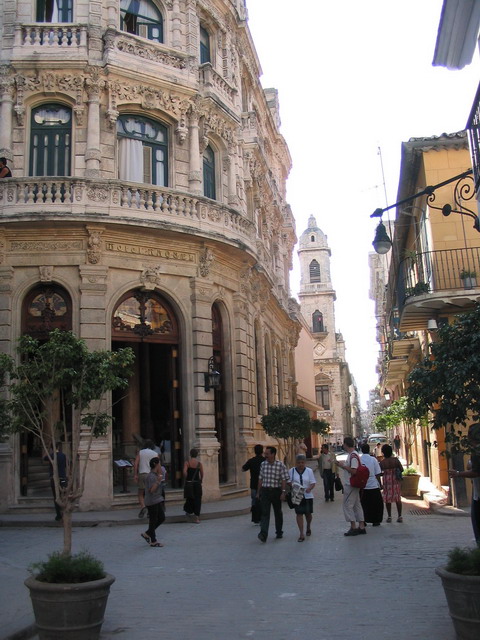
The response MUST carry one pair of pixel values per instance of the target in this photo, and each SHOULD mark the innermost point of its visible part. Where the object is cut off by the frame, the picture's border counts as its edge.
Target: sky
(354, 77)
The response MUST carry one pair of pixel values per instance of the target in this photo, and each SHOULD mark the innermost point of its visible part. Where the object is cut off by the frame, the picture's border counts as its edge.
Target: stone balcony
(56, 41)
(115, 202)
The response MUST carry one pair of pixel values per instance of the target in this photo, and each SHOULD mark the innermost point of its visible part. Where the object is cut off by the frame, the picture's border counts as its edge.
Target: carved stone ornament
(182, 130)
(46, 273)
(94, 250)
(154, 97)
(151, 277)
(205, 261)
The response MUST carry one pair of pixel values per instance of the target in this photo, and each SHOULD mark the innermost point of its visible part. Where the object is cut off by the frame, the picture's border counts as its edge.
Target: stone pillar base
(208, 455)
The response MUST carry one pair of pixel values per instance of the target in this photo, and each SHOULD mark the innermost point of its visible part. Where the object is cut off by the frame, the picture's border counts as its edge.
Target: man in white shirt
(141, 469)
(352, 507)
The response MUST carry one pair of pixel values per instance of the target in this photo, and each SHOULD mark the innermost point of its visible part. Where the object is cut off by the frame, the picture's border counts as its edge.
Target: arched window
(143, 315)
(142, 150)
(204, 46)
(54, 11)
(45, 308)
(209, 190)
(142, 18)
(312, 238)
(317, 321)
(314, 271)
(50, 140)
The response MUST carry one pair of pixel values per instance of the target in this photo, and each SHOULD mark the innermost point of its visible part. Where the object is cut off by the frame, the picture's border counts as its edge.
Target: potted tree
(461, 582)
(446, 384)
(57, 391)
(469, 278)
(289, 423)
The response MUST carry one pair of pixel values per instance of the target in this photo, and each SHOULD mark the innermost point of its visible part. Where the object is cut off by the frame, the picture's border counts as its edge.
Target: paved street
(216, 580)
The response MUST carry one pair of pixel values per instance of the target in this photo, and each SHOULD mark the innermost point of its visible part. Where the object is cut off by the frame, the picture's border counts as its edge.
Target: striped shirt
(272, 474)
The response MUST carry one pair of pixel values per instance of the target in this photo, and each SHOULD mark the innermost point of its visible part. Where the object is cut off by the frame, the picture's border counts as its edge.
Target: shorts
(305, 508)
(141, 480)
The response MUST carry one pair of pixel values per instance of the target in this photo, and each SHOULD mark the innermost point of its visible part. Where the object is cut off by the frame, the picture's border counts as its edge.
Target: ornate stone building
(317, 298)
(147, 208)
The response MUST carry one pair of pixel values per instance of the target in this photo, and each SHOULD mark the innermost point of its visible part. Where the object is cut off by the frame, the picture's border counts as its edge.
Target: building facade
(147, 208)
(317, 298)
(431, 277)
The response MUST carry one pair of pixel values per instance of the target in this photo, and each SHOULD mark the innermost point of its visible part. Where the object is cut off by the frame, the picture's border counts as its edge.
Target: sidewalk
(174, 513)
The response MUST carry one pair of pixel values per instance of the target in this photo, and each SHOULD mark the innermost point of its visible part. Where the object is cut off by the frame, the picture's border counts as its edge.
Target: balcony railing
(473, 129)
(115, 199)
(432, 271)
(50, 36)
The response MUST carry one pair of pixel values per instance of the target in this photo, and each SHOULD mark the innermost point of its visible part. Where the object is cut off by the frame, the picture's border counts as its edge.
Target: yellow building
(433, 273)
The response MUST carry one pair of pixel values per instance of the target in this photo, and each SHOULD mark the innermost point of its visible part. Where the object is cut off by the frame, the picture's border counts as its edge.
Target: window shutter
(147, 165)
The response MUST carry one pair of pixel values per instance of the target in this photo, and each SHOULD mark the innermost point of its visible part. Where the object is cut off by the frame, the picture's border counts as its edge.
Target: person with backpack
(352, 507)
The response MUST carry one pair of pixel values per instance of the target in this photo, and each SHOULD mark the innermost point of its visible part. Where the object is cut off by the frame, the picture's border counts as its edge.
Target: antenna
(379, 153)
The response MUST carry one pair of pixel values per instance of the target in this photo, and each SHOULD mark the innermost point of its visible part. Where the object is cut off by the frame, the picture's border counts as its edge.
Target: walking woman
(391, 483)
(327, 469)
(154, 501)
(302, 480)
(193, 474)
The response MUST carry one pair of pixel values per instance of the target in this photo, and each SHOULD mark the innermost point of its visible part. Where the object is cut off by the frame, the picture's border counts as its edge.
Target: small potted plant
(61, 377)
(410, 479)
(418, 290)
(469, 278)
(461, 583)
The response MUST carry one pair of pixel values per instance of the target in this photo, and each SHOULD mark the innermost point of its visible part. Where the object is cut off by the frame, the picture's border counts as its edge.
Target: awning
(308, 404)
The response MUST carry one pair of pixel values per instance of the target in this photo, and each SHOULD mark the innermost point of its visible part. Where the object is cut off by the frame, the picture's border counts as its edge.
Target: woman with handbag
(302, 481)
(192, 492)
(391, 468)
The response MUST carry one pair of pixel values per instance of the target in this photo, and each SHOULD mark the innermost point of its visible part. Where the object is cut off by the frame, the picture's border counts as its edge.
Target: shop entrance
(150, 407)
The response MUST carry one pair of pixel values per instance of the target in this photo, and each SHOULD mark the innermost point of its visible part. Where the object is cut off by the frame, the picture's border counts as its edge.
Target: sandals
(146, 537)
(399, 519)
(309, 532)
(156, 544)
(301, 539)
(389, 519)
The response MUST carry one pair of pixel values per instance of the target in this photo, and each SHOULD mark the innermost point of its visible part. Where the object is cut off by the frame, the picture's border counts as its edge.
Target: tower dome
(313, 237)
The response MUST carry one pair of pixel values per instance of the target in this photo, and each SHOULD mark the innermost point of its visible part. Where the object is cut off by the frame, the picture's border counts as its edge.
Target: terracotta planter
(69, 611)
(463, 599)
(410, 485)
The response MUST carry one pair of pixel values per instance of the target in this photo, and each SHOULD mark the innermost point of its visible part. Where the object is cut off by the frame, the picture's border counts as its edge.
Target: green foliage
(464, 561)
(68, 569)
(419, 289)
(287, 421)
(61, 377)
(448, 382)
(399, 411)
(319, 426)
(465, 273)
(410, 471)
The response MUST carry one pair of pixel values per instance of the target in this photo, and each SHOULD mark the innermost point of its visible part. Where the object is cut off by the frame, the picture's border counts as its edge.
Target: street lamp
(212, 376)
(462, 191)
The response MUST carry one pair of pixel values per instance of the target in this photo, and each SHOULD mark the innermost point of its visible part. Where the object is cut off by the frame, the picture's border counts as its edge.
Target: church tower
(317, 298)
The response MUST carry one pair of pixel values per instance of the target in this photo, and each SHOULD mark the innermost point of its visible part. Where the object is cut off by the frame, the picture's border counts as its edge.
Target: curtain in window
(130, 160)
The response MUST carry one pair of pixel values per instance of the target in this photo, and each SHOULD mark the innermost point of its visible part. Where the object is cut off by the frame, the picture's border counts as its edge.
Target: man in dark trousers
(253, 465)
(272, 485)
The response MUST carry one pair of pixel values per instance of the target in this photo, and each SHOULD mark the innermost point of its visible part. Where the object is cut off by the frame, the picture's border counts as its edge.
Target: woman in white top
(302, 481)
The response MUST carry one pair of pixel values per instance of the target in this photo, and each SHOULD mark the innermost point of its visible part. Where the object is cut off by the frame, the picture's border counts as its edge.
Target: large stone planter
(69, 611)
(463, 599)
(410, 485)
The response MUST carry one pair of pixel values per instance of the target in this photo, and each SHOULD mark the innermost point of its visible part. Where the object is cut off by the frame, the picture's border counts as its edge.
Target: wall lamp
(464, 190)
(212, 377)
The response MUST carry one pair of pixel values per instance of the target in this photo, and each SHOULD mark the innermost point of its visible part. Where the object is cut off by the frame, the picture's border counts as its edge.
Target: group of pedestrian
(150, 476)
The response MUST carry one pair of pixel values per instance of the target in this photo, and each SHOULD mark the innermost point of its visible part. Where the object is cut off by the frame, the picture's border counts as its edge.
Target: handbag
(398, 474)
(360, 478)
(288, 495)
(338, 484)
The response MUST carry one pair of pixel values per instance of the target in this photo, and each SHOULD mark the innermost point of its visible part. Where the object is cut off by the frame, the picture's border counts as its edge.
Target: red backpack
(360, 478)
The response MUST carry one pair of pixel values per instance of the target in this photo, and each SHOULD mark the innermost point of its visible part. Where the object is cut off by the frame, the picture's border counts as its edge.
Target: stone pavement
(216, 580)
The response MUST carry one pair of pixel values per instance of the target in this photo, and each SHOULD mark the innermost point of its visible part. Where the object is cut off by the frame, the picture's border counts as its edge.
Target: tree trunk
(67, 531)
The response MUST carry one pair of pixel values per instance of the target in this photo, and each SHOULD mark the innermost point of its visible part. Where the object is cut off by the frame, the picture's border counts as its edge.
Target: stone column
(6, 116)
(232, 175)
(112, 16)
(195, 173)
(98, 492)
(94, 86)
(8, 479)
(204, 438)
(176, 25)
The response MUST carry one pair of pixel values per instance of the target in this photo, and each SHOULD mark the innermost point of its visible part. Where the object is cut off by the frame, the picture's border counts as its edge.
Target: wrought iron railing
(432, 271)
(473, 129)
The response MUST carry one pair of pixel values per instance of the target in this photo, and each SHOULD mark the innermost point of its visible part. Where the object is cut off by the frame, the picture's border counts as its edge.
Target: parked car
(376, 438)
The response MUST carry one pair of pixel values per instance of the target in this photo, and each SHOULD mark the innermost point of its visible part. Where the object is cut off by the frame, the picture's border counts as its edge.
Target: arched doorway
(150, 408)
(45, 307)
(219, 393)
